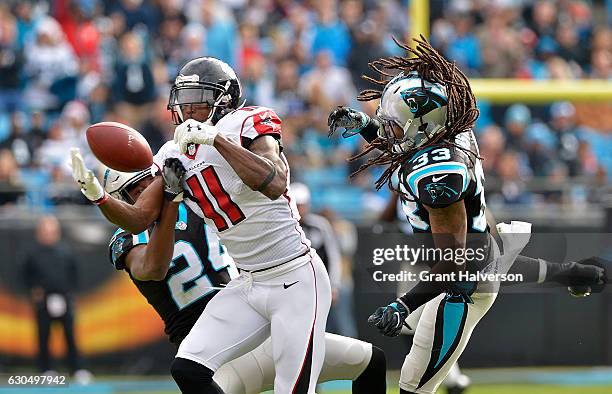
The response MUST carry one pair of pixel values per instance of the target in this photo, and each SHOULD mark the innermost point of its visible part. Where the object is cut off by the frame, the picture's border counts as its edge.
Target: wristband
(102, 200)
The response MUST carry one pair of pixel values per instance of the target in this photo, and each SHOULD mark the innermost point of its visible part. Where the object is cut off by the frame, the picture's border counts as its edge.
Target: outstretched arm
(138, 217)
(133, 218)
(151, 261)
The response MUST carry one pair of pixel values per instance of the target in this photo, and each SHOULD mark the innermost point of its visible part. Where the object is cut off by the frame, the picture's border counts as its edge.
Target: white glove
(194, 132)
(89, 184)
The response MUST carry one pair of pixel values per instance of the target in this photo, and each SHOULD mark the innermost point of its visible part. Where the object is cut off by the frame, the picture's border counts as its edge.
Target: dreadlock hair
(430, 65)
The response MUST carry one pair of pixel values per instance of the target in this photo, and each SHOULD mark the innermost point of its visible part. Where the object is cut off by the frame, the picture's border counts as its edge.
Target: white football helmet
(117, 183)
(412, 111)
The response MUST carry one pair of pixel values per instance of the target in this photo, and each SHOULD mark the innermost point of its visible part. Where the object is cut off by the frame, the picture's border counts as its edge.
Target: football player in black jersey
(423, 135)
(165, 262)
(179, 265)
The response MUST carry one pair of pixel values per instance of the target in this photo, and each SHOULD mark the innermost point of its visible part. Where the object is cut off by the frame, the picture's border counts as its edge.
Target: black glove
(344, 117)
(173, 174)
(389, 319)
(587, 276)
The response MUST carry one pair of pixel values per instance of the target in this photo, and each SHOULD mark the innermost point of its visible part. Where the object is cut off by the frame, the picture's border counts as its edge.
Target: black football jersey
(440, 175)
(199, 264)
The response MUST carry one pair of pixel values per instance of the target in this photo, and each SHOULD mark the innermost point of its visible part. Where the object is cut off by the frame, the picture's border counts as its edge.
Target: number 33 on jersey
(441, 175)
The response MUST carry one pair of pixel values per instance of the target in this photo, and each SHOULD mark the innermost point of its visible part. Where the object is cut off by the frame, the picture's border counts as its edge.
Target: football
(119, 147)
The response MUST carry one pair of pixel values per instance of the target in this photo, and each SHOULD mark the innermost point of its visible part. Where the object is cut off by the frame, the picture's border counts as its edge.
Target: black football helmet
(205, 80)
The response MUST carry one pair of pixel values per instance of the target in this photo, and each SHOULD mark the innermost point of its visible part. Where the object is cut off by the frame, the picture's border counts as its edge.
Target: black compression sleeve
(423, 292)
(533, 270)
(370, 131)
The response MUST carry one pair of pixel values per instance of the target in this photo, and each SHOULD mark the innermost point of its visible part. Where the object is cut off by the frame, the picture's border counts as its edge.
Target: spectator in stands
(464, 47)
(158, 127)
(544, 18)
(570, 47)
(10, 183)
(18, 142)
(601, 63)
(133, 87)
(367, 40)
(492, 144)
(192, 40)
(51, 157)
(51, 68)
(75, 17)
(327, 85)
(11, 62)
(500, 43)
(513, 189)
(136, 13)
(563, 123)
(75, 120)
(26, 23)
(293, 37)
(330, 33)
(221, 34)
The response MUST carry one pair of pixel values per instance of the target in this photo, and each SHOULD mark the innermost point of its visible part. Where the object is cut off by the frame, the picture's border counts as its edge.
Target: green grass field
(542, 380)
(515, 389)
(493, 389)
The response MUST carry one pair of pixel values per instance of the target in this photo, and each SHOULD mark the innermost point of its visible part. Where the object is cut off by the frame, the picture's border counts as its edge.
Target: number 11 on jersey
(229, 208)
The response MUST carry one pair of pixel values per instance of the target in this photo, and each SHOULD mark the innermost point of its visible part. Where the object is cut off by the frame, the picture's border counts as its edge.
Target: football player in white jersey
(236, 178)
(173, 267)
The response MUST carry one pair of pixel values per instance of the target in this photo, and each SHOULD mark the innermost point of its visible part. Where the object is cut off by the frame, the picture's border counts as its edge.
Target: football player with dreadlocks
(423, 135)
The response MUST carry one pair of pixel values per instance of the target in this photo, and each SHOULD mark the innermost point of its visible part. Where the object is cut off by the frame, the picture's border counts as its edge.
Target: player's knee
(189, 373)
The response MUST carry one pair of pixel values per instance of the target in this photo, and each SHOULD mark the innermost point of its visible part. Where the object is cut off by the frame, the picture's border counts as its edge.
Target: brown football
(119, 147)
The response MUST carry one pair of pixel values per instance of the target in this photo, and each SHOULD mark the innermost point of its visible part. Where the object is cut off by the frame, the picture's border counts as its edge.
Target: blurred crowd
(65, 64)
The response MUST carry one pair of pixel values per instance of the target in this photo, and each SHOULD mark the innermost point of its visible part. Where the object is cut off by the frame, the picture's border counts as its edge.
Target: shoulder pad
(121, 243)
(250, 123)
(436, 176)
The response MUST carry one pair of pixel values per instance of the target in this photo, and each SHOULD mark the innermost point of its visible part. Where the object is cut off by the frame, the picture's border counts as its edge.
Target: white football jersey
(258, 232)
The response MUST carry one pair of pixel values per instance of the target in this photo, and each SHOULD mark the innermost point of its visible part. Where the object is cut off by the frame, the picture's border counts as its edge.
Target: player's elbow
(275, 193)
(149, 270)
(276, 188)
(150, 274)
(157, 275)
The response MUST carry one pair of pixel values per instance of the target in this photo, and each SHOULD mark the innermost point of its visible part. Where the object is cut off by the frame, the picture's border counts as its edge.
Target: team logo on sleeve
(117, 248)
(439, 189)
(422, 100)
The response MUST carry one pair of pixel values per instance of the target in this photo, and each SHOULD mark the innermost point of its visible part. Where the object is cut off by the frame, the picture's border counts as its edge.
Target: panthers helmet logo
(422, 100)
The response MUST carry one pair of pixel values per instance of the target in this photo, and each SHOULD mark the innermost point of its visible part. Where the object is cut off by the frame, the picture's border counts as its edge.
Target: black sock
(533, 270)
(373, 379)
(193, 378)
(543, 271)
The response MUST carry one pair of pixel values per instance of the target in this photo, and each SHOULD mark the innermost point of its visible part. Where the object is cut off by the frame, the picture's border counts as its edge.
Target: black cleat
(587, 276)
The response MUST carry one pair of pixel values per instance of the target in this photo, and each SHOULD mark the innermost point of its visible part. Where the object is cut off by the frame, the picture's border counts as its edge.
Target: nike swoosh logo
(286, 286)
(434, 179)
